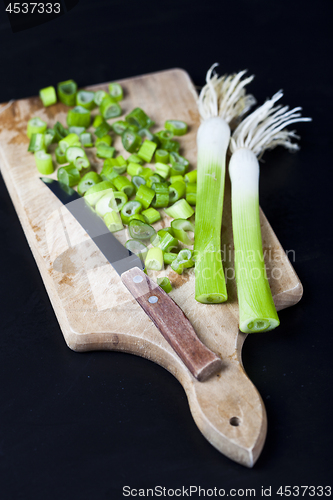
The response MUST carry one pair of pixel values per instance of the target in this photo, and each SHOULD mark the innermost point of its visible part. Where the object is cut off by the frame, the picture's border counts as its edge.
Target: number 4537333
(33, 7)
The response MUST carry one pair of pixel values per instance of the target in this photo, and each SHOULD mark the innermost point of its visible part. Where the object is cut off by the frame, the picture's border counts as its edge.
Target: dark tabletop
(84, 425)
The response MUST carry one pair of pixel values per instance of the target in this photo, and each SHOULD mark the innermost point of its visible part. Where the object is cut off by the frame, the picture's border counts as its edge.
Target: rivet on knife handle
(172, 323)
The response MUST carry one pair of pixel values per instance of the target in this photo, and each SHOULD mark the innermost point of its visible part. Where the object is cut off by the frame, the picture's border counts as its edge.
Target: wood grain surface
(94, 308)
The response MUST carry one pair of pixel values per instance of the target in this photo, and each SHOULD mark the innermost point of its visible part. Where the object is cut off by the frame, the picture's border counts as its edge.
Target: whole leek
(263, 129)
(221, 101)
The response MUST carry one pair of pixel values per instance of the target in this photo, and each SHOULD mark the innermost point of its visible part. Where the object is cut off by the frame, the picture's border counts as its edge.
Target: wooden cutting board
(93, 307)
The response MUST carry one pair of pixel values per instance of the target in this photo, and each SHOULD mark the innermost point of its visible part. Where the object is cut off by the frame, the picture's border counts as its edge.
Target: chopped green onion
(106, 139)
(176, 178)
(154, 259)
(169, 257)
(37, 142)
(119, 127)
(134, 159)
(60, 132)
(151, 215)
(147, 135)
(178, 169)
(146, 173)
(145, 195)
(183, 261)
(118, 164)
(109, 108)
(49, 137)
(87, 181)
(131, 140)
(140, 230)
(104, 151)
(191, 193)
(36, 126)
(180, 210)
(113, 221)
(116, 91)
(177, 127)
(102, 129)
(121, 199)
(134, 169)
(191, 177)
(85, 99)
(177, 191)
(106, 203)
(73, 152)
(137, 181)
(108, 173)
(138, 118)
(76, 130)
(68, 141)
(153, 179)
(166, 242)
(86, 139)
(97, 191)
(161, 198)
(139, 217)
(81, 163)
(130, 208)
(161, 156)
(165, 284)
(177, 158)
(171, 146)
(98, 120)
(44, 162)
(162, 169)
(181, 229)
(99, 96)
(68, 175)
(48, 96)
(60, 156)
(78, 117)
(164, 135)
(124, 184)
(137, 247)
(67, 92)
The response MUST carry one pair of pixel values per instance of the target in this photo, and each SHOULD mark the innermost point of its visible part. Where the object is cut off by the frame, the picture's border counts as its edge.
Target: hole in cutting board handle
(235, 421)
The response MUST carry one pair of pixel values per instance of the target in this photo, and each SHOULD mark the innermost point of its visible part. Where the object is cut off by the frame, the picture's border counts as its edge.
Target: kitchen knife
(161, 309)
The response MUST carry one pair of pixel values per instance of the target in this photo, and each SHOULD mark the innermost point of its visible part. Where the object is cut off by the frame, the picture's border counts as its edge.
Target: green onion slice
(140, 230)
(67, 92)
(60, 132)
(161, 156)
(180, 210)
(123, 184)
(85, 99)
(137, 247)
(137, 181)
(113, 221)
(109, 108)
(177, 127)
(102, 129)
(116, 91)
(99, 96)
(44, 162)
(151, 215)
(68, 175)
(74, 152)
(37, 143)
(182, 228)
(145, 195)
(105, 204)
(78, 117)
(131, 140)
(183, 261)
(177, 191)
(139, 118)
(87, 181)
(119, 127)
(48, 96)
(36, 126)
(130, 208)
(165, 284)
(154, 259)
(93, 194)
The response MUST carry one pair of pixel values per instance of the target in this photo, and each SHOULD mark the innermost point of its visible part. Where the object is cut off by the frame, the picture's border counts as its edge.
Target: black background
(85, 425)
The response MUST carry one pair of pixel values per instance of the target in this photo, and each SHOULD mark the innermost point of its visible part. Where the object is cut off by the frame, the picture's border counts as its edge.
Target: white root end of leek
(257, 311)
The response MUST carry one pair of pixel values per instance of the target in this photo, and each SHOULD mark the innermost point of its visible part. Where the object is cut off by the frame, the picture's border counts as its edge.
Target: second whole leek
(263, 129)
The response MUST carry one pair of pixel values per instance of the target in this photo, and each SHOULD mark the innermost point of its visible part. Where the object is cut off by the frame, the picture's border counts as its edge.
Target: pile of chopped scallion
(127, 191)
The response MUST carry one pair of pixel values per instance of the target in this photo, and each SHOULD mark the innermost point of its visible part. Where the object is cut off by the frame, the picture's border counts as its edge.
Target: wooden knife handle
(172, 323)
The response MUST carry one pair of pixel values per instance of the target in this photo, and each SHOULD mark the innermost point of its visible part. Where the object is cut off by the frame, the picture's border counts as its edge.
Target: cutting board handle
(172, 323)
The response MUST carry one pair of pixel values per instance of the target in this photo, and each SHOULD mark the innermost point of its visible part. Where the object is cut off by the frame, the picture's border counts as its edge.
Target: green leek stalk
(221, 101)
(263, 129)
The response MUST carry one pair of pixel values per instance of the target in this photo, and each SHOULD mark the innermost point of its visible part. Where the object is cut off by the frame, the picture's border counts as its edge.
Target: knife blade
(161, 309)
